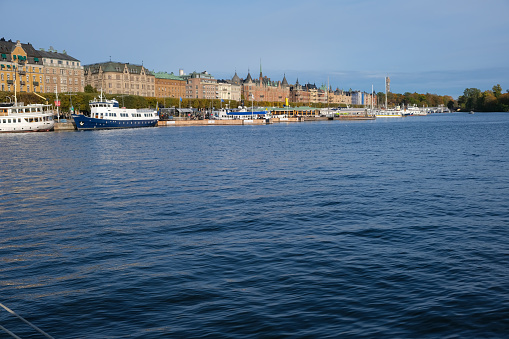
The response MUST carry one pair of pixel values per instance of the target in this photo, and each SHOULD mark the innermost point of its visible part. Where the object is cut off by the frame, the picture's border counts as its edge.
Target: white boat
(389, 113)
(17, 117)
(414, 110)
(242, 113)
(106, 114)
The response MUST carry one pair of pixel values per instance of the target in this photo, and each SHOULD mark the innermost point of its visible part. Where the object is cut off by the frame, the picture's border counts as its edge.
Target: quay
(240, 122)
(65, 125)
(69, 125)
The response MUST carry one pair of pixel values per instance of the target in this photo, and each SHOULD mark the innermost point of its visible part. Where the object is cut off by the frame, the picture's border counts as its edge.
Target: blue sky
(429, 46)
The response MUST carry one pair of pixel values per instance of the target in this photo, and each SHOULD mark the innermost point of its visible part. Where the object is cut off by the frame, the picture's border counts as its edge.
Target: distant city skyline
(439, 47)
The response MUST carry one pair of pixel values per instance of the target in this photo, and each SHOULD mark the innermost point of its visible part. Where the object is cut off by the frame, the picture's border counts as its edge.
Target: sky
(434, 46)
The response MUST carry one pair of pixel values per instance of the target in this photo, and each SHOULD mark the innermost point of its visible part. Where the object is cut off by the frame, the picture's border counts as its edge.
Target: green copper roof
(112, 66)
(164, 75)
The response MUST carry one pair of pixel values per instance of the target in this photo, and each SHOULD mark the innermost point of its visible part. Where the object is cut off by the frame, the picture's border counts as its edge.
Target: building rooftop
(165, 75)
(114, 66)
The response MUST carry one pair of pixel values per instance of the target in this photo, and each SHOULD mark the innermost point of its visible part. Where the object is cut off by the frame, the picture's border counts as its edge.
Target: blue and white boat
(106, 114)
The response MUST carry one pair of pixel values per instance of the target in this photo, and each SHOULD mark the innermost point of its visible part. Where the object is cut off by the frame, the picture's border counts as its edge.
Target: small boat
(17, 117)
(106, 114)
(471, 112)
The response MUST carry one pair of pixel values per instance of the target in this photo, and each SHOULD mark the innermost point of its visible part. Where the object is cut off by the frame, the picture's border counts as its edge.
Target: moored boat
(106, 114)
(389, 113)
(242, 114)
(17, 117)
(414, 110)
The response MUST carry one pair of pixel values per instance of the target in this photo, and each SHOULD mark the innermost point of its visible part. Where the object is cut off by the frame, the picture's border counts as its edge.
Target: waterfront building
(62, 72)
(313, 92)
(229, 90)
(264, 89)
(120, 78)
(201, 86)
(368, 97)
(362, 98)
(298, 93)
(169, 85)
(22, 64)
(340, 97)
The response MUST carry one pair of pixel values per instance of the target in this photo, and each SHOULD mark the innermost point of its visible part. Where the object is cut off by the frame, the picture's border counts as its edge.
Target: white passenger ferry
(389, 113)
(106, 114)
(17, 117)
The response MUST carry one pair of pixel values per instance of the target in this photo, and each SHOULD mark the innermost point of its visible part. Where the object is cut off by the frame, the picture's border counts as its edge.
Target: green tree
(469, 99)
(497, 90)
(90, 89)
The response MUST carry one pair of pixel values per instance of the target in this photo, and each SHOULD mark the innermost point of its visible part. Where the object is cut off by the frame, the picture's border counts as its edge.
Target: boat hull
(22, 124)
(88, 123)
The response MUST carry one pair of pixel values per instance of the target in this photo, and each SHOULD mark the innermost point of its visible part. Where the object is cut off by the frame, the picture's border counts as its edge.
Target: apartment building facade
(62, 72)
(169, 85)
(120, 78)
(264, 89)
(21, 67)
(201, 86)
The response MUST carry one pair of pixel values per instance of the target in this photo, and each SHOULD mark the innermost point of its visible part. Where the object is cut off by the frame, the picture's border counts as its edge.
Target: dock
(241, 122)
(68, 125)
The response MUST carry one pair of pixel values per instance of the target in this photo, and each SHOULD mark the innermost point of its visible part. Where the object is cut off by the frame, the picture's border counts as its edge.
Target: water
(388, 228)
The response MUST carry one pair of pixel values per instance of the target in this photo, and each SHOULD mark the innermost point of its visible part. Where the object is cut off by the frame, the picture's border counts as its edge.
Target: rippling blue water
(387, 228)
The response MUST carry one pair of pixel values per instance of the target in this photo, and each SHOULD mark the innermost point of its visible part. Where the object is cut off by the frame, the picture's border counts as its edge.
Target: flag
(180, 99)
(222, 100)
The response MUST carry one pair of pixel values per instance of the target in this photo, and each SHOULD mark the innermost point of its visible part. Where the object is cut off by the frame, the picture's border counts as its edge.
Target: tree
(468, 100)
(90, 89)
(497, 90)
